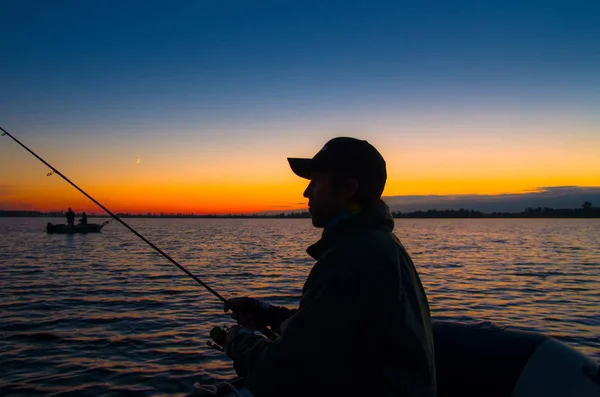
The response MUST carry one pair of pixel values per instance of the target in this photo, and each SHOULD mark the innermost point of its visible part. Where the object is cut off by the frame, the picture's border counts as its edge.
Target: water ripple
(104, 315)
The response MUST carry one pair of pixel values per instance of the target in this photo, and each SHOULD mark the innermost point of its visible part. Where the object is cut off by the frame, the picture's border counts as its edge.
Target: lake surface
(103, 314)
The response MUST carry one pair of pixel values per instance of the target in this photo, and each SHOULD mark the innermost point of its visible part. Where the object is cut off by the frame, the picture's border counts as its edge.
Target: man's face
(325, 201)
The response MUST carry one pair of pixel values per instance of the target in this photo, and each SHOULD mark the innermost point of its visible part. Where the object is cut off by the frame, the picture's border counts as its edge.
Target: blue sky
(188, 62)
(208, 79)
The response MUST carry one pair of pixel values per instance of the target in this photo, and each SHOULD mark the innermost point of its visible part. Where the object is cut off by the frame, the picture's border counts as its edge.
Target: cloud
(553, 196)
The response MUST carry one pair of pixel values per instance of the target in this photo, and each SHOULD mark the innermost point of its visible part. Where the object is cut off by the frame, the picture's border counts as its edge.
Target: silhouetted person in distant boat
(70, 217)
(83, 220)
(363, 325)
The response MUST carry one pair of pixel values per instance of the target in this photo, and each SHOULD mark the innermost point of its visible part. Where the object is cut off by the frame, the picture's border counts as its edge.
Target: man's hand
(237, 344)
(249, 312)
(231, 335)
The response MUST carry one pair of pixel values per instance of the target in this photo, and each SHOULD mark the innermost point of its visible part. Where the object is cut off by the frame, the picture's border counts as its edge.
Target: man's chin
(317, 222)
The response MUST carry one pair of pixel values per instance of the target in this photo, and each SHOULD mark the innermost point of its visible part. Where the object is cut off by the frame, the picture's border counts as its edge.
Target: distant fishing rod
(173, 261)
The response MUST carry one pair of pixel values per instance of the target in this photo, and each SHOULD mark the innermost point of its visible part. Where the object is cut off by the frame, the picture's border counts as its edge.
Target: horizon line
(279, 213)
(540, 192)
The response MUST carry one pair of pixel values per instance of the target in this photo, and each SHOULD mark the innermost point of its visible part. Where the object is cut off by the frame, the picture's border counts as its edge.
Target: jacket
(363, 325)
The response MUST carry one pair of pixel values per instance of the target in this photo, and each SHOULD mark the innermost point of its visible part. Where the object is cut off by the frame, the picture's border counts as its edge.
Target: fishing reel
(218, 336)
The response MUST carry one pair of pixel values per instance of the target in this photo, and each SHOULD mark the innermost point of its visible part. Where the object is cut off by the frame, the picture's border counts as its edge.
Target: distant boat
(66, 229)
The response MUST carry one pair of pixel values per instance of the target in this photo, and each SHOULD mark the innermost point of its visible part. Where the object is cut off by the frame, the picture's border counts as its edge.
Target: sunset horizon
(198, 111)
(244, 190)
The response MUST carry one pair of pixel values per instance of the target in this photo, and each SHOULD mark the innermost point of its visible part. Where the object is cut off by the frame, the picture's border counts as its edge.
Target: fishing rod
(264, 330)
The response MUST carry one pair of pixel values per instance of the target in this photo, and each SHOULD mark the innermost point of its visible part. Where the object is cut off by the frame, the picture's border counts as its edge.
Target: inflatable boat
(485, 360)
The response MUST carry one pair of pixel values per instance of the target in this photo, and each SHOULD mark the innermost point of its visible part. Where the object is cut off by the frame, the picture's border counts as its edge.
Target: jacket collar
(376, 217)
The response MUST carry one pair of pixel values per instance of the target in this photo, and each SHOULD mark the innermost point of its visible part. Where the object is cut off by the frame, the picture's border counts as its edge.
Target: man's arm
(316, 340)
(256, 313)
(277, 315)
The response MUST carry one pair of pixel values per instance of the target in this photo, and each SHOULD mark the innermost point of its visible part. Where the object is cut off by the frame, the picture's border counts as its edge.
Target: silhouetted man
(363, 325)
(83, 220)
(70, 217)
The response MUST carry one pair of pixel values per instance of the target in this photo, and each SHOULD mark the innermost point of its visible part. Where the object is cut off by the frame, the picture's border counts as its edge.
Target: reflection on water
(104, 314)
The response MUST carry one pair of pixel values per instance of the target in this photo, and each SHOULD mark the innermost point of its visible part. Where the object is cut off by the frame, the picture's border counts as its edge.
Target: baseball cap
(348, 157)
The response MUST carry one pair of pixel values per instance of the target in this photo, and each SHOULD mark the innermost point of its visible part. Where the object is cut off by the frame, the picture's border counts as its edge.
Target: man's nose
(307, 190)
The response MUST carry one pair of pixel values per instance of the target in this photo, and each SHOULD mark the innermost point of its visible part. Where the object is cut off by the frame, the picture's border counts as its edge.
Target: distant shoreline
(587, 211)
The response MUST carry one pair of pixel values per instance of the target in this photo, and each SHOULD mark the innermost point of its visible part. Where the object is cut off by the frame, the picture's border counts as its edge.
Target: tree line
(587, 210)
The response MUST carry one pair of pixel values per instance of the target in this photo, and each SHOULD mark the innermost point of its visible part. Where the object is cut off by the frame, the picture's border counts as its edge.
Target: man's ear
(350, 187)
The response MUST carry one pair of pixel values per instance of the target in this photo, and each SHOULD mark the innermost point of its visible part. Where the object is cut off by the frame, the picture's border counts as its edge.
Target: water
(103, 314)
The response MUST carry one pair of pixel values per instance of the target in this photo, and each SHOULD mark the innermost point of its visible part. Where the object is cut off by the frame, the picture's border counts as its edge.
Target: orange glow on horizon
(249, 176)
(241, 197)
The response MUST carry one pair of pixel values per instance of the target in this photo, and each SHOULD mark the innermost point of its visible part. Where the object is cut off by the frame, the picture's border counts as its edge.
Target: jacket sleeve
(277, 315)
(315, 340)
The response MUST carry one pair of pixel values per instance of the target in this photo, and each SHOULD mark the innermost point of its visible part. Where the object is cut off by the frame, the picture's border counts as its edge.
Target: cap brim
(301, 167)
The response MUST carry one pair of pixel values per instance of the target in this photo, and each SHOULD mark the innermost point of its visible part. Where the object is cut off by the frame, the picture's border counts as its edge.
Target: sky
(194, 106)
